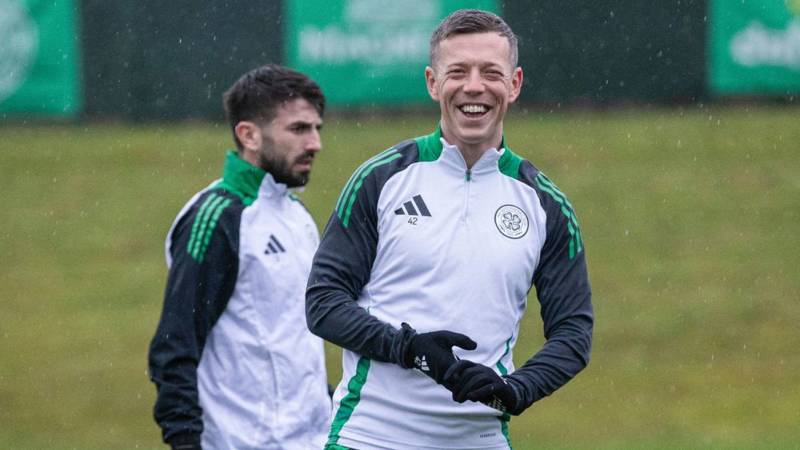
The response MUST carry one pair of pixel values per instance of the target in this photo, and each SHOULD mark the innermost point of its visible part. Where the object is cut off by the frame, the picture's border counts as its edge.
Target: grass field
(690, 218)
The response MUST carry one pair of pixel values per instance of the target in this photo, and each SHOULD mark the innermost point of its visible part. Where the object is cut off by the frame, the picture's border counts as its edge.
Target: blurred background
(673, 126)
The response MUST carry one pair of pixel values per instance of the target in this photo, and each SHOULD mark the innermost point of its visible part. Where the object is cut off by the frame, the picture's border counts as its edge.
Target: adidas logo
(421, 363)
(274, 246)
(415, 208)
(496, 403)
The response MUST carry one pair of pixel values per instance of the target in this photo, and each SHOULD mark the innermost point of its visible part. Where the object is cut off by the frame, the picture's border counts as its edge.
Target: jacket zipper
(467, 181)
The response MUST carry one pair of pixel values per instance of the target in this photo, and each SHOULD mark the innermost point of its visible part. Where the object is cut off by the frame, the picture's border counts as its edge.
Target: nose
(314, 141)
(474, 84)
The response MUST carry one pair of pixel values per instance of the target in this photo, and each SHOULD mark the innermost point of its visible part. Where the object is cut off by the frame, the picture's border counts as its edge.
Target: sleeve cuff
(186, 441)
(400, 344)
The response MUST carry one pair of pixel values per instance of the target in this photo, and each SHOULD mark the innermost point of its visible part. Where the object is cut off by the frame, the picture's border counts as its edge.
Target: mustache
(306, 157)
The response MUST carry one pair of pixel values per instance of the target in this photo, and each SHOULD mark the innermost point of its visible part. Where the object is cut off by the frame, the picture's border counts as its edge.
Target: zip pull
(468, 175)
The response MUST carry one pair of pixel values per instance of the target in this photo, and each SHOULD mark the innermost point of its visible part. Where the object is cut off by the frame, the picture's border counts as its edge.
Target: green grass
(689, 218)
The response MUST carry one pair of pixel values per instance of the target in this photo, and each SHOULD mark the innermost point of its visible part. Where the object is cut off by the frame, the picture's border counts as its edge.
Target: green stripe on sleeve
(554, 189)
(344, 215)
(349, 402)
(349, 186)
(198, 220)
(576, 243)
(206, 217)
(210, 230)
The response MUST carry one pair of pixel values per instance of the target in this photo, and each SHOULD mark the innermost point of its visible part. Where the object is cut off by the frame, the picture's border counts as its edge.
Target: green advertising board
(38, 58)
(367, 52)
(755, 47)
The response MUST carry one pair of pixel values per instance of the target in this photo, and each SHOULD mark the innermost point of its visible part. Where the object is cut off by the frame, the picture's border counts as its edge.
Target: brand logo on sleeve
(511, 221)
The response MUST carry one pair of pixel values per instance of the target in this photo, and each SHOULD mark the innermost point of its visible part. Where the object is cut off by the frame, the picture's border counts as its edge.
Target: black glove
(476, 382)
(187, 441)
(432, 353)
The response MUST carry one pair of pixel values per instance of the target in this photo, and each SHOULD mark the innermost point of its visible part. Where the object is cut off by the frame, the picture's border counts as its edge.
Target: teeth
(473, 109)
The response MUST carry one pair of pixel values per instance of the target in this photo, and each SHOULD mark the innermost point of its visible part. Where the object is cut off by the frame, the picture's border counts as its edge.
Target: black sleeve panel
(201, 279)
(562, 287)
(343, 263)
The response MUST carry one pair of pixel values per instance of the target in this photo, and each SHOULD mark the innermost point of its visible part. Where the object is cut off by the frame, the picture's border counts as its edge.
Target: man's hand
(432, 353)
(476, 382)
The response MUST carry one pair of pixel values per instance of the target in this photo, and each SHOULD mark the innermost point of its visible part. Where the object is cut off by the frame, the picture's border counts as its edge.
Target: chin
(473, 129)
(474, 138)
(299, 181)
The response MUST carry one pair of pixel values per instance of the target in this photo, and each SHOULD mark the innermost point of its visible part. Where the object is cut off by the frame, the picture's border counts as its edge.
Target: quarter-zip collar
(433, 147)
(248, 181)
(487, 162)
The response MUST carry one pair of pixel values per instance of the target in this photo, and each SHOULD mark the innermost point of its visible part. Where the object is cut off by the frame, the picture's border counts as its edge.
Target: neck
(471, 155)
(250, 156)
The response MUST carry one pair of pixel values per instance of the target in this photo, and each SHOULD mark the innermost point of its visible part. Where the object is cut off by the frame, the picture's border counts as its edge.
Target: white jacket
(417, 237)
(232, 355)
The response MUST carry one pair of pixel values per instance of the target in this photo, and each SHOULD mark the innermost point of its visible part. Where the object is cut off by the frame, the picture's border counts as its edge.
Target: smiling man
(424, 269)
(233, 363)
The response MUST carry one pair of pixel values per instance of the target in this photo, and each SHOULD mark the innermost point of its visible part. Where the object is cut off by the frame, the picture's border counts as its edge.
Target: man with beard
(425, 266)
(234, 365)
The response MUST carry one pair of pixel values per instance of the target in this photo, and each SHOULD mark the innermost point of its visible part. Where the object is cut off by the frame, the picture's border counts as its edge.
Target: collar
(248, 181)
(433, 147)
(486, 163)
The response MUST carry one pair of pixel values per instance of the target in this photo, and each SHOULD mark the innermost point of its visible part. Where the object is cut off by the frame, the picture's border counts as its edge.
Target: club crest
(511, 221)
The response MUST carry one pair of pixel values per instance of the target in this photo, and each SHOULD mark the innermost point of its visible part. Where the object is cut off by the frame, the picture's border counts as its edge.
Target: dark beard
(282, 172)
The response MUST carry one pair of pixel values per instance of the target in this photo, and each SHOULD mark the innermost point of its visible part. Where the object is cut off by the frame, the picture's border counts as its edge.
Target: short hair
(258, 94)
(468, 21)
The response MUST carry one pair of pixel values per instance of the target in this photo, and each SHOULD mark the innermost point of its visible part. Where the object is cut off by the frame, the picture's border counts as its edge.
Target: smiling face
(286, 145)
(474, 81)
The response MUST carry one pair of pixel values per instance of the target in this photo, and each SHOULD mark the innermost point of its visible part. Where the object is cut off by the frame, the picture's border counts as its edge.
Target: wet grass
(689, 218)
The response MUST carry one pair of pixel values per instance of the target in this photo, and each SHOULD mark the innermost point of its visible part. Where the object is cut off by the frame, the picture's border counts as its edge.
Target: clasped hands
(432, 353)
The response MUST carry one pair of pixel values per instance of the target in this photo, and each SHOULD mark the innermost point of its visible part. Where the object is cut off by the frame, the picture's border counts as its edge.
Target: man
(427, 261)
(234, 365)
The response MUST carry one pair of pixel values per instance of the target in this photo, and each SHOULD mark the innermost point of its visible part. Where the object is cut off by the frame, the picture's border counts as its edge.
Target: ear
(516, 85)
(249, 134)
(430, 82)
